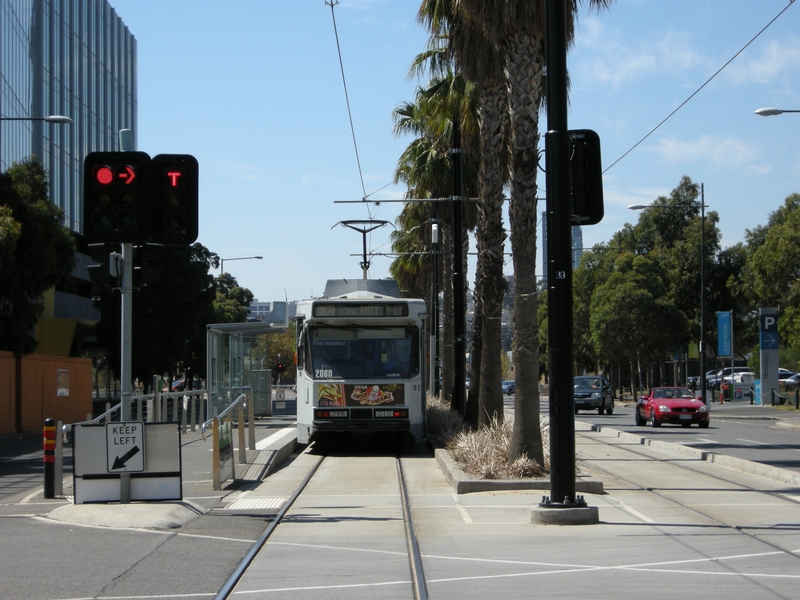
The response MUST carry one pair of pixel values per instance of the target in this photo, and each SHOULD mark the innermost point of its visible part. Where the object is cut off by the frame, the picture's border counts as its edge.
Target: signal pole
(126, 292)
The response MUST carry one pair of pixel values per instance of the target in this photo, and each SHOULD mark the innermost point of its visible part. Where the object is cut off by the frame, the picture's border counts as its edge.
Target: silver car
(593, 392)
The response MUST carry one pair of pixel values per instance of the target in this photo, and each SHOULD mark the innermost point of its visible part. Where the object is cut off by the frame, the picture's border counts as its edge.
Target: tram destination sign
(382, 309)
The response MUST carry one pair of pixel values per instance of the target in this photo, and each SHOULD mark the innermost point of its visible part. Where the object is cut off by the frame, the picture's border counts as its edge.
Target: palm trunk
(489, 282)
(523, 72)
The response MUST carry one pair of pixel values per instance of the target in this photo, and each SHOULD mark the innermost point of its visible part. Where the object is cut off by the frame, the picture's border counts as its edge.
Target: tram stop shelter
(231, 368)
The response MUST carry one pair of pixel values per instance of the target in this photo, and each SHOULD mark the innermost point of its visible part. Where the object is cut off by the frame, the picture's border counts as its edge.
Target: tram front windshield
(364, 353)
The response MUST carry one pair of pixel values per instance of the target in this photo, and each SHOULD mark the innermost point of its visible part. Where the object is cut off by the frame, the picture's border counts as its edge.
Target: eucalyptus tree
(169, 315)
(772, 272)
(36, 252)
(633, 316)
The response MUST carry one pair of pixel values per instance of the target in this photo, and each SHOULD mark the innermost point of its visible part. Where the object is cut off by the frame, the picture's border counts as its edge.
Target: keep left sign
(125, 447)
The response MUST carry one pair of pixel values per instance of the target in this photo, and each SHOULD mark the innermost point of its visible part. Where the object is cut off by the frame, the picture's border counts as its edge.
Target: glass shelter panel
(231, 368)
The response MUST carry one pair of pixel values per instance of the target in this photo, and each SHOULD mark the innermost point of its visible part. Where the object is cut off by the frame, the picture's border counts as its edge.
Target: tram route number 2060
(323, 373)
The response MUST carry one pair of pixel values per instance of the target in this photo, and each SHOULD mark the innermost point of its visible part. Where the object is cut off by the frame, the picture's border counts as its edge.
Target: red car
(676, 405)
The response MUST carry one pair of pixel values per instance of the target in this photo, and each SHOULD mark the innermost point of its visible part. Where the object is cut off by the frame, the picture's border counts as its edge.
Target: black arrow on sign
(120, 461)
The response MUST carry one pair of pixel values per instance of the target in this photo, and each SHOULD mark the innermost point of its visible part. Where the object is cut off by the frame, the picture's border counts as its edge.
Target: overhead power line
(700, 88)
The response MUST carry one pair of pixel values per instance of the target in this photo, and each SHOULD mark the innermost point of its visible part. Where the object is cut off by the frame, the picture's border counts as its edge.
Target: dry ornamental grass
(482, 454)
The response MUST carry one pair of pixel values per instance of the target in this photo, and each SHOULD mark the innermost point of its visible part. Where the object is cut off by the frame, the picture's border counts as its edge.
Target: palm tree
(500, 47)
(517, 30)
(426, 169)
(480, 62)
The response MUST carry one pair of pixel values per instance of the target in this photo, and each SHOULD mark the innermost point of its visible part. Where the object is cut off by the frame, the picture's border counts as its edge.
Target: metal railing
(145, 407)
(222, 430)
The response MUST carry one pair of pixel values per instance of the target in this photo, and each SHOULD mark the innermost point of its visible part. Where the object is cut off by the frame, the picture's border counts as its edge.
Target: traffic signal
(279, 367)
(116, 197)
(175, 186)
(586, 176)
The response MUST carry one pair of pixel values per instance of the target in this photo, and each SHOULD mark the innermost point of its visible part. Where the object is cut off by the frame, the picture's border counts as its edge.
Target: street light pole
(222, 261)
(703, 295)
(434, 320)
(702, 348)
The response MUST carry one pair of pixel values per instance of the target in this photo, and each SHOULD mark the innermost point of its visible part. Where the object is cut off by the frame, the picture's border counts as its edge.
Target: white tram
(360, 360)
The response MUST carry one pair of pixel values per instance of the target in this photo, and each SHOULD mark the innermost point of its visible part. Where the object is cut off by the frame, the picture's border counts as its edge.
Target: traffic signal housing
(586, 176)
(116, 197)
(279, 367)
(175, 203)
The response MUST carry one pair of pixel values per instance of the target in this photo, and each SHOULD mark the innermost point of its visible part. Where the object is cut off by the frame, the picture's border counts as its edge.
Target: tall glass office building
(74, 58)
(64, 57)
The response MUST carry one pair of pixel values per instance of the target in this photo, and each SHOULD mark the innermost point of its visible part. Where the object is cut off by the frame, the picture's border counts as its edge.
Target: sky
(254, 90)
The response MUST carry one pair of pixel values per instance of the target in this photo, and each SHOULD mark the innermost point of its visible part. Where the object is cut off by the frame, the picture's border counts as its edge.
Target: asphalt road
(761, 434)
(758, 433)
(44, 559)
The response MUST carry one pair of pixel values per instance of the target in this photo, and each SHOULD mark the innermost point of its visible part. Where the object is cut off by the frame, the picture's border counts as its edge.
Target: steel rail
(741, 529)
(227, 589)
(414, 555)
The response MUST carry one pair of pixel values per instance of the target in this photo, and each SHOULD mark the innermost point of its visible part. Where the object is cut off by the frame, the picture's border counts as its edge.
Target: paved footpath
(670, 525)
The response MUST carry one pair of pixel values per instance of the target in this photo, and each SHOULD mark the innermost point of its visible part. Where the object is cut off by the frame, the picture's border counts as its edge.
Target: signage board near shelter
(161, 479)
(125, 447)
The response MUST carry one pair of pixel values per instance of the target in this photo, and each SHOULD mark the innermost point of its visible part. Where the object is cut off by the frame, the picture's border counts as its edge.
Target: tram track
(416, 572)
(736, 485)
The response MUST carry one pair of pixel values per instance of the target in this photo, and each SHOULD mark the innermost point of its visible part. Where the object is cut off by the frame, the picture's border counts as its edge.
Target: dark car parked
(593, 392)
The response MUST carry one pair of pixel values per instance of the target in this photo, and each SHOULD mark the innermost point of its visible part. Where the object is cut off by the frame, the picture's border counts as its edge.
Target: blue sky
(253, 89)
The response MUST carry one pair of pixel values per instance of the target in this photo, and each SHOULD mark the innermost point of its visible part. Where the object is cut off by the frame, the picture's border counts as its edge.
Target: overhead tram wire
(653, 130)
(333, 3)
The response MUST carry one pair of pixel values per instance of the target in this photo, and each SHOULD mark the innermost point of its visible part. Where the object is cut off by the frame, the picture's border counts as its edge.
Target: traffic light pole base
(566, 513)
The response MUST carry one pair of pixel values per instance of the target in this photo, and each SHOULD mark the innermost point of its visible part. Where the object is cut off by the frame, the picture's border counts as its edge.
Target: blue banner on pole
(724, 341)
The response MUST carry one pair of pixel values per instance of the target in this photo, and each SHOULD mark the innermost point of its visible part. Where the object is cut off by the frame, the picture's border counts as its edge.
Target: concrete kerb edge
(739, 464)
(283, 449)
(135, 515)
(462, 484)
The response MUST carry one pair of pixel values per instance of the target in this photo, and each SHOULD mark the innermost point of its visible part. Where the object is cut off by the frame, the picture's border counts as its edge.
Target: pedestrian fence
(186, 408)
(221, 426)
(778, 399)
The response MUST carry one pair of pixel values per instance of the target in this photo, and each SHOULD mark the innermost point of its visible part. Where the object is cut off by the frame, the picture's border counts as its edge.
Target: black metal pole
(435, 318)
(459, 301)
(559, 267)
(703, 295)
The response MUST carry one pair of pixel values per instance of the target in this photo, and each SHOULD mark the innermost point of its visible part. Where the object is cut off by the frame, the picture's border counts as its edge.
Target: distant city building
(272, 312)
(577, 245)
(74, 58)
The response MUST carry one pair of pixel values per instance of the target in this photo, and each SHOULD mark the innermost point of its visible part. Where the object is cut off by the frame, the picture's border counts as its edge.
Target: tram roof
(354, 288)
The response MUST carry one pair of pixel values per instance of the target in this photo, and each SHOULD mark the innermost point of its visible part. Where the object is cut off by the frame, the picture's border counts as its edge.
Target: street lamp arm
(771, 112)
(50, 119)
(222, 261)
